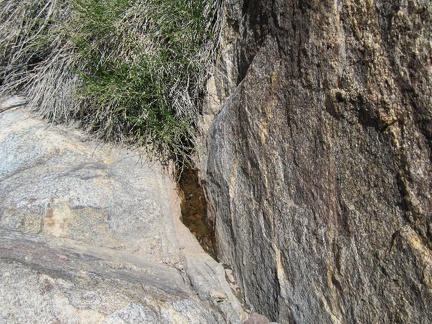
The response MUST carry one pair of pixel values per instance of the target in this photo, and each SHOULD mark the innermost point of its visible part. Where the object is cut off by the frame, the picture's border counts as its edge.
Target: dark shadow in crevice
(194, 211)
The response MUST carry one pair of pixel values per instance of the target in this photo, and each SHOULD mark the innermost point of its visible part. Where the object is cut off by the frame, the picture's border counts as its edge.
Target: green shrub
(130, 70)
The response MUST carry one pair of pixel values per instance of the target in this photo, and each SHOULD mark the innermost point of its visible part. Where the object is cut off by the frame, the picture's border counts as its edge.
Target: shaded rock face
(91, 233)
(318, 165)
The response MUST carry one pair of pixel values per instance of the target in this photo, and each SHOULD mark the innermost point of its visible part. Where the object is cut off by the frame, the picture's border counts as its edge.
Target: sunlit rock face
(317, 164)
(91, 233)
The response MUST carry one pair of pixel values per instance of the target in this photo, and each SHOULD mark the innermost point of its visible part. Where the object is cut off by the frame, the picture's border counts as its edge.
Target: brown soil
(194, 211)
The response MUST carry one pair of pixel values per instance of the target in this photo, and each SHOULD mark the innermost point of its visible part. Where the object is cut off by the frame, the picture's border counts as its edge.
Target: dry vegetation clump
(36, 58)
(131, 71)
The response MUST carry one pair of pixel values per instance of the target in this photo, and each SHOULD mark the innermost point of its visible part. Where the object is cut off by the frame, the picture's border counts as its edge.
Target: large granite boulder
(318, 164)
(91, 233)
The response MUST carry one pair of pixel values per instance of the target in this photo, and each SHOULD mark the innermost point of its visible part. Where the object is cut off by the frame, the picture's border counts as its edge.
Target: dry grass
(131, 71)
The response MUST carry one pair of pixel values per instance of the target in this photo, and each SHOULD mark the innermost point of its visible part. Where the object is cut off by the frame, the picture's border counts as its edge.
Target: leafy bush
(130, 70)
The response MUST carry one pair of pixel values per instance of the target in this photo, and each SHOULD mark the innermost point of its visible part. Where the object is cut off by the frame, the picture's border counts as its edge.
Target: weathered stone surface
(90, 233)
(46, 280)
(318, 166)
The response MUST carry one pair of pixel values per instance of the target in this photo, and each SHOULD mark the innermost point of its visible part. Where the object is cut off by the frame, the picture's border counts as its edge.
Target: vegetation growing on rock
(132, 71)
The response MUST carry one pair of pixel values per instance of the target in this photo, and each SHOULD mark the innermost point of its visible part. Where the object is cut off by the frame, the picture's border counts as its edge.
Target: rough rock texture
(318, 166)
(90, 233)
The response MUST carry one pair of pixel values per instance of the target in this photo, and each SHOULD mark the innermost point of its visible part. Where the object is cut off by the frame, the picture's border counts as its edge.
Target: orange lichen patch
(49, 213)
(57, 219)
(49, 218)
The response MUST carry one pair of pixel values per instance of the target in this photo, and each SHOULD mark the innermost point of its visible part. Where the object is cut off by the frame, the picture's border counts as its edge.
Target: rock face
(318, 165)
(90, 233)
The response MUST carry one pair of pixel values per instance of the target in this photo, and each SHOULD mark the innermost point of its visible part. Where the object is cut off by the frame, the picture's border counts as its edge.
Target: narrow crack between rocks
(194, 211)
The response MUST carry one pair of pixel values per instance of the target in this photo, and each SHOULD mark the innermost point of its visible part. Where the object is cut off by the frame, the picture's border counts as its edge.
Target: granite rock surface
(317, 161)
(91, 233)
